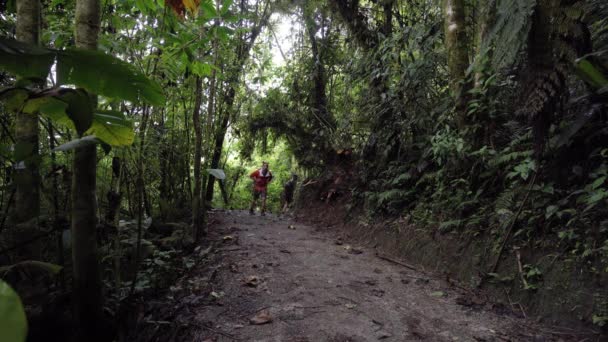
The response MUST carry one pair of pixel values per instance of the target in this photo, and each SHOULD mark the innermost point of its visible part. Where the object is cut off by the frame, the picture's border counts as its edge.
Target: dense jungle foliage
(482, 118)
(123, 122)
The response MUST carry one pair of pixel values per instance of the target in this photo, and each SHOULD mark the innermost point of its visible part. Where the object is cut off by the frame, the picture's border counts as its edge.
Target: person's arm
(253, 175)
(270, 178)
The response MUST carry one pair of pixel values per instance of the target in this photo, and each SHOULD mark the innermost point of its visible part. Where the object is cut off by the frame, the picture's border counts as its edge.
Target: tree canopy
(484, 120)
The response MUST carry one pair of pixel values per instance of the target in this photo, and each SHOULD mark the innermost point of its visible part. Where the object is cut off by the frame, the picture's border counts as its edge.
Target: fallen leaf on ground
(285, 251)
(377, 292)
(291, 227)
(252, 281)
(478, 301)
(234, 268)
(352, 250)
(350, 306)
(421, 281)
(261, 317)
(228, 238)
(469, 301)
(438, 294)
(383, 334)
(217, 295)
(355, 250)
(417, 333)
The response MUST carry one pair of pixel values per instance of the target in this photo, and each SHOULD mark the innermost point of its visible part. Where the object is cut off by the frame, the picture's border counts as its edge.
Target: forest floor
(274, 279)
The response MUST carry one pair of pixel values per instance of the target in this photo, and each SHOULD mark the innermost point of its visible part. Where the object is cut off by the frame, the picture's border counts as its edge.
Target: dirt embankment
(565, 296)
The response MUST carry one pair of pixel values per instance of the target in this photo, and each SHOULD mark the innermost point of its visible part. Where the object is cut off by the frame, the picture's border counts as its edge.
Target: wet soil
(275, 279)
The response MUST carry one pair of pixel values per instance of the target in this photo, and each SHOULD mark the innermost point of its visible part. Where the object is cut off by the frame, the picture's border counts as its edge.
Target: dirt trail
(315, 289)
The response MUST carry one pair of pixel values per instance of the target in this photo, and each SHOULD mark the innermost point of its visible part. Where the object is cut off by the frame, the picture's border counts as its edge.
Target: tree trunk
(235, 180)
(487, 14)
(188, 185)
(224, 193)
(164, 160)
(217, 153)
(209, 124)
(356, 22)
(387, 25)
(457, 51)
(198, 142)
(55, 194)
(485, 125)
(86, 276)
(114, 196)
(27, 176)
(142, 154)
(237, 68)
(545, 83)
(323, 122)
(319, 98)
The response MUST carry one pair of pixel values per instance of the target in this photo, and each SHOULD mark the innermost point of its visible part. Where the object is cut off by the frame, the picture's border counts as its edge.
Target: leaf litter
(322, 296)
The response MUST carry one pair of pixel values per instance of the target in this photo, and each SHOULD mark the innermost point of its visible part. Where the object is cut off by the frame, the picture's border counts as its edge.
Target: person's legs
(251, 207)
(263, 195)
(288, 200)
(253, 202)
(282, 203)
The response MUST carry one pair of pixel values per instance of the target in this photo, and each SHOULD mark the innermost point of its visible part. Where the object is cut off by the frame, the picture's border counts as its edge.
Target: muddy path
(275, 279)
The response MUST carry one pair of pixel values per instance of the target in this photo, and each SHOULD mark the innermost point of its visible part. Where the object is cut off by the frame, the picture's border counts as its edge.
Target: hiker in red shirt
(261, 178)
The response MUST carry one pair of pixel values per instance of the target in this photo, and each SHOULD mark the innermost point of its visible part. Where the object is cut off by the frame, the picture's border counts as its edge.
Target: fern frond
(505, 158)
(511, 28)
(505, 201)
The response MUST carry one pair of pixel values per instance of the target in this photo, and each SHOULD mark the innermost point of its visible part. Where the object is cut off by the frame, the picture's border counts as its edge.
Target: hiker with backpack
(287, 195)
(261, 177)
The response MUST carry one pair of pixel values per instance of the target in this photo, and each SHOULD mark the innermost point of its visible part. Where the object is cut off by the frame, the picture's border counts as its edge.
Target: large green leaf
(70, 107)
(49, 103)
(112, 128)
(209, 10)
(590, 73)
(25, 60)
(226, 6)
(80, 109)
(14, 98)
(201, 69)
(73, 108)
(221, 32)
(92, 70)
(13, 324)
(103, 74)
(52, 107)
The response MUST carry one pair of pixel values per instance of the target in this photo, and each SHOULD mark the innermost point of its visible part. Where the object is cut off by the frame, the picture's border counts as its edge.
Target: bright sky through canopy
(284, 33)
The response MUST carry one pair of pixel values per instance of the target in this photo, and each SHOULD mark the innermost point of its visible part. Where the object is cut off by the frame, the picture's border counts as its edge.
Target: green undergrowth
(555, 213)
